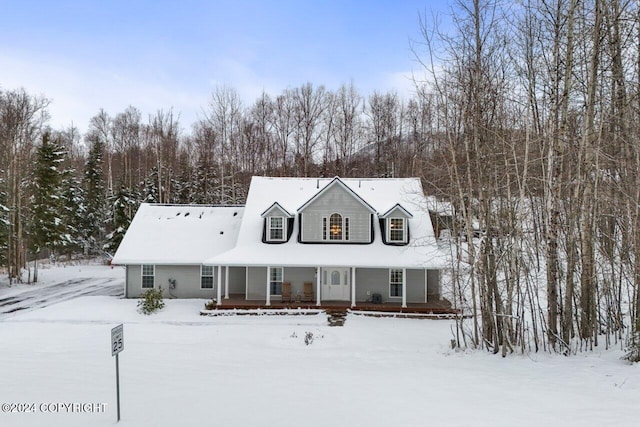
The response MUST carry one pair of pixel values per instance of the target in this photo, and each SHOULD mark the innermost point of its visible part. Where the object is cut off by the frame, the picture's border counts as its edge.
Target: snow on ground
(179, 368)
(61, 283)
(49, 275)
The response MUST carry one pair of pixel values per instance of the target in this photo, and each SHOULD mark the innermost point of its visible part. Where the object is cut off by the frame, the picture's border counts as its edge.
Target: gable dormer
(394, 225)
(277, 225)
(336, 215)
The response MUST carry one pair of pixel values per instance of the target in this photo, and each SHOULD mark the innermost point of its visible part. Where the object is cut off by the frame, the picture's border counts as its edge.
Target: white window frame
(325, 227)
(330, 236)
(202, 276)
(153, 276)
(399, 284)
(404, 230)
(345, 223)
(271, 270)
(269, 227)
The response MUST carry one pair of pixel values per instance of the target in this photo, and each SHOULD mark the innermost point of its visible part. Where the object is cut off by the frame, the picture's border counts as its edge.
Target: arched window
(335, 227)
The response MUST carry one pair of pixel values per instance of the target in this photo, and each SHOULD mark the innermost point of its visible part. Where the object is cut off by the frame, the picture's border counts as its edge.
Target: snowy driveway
(54, 293)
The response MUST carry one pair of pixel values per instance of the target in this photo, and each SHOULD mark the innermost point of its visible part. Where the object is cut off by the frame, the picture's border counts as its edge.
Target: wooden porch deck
(442, 306)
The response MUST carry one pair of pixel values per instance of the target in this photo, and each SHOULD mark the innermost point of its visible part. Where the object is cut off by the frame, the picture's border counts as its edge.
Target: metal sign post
(117, 345)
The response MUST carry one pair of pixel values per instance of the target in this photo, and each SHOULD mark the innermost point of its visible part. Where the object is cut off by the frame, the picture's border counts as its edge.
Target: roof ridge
(312, 178)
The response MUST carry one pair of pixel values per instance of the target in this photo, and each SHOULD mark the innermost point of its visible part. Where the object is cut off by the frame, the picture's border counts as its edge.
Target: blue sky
(85, 55)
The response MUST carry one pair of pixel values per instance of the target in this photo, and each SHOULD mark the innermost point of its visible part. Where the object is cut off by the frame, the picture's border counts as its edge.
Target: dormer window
(394, 225)
(275, 227)
(278, 224)
(397, 230)
(336, 227)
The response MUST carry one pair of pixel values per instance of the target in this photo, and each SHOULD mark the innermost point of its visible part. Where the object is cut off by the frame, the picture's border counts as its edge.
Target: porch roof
(294, 254)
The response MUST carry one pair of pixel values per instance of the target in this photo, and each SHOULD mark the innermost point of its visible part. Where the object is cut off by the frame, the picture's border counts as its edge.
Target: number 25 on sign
(117, 340)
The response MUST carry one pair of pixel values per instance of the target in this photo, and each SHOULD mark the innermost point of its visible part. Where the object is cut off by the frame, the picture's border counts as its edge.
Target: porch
(399, 290)
(435, 307)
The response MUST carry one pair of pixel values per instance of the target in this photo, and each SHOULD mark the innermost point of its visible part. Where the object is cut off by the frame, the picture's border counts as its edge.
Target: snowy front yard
(179, 368)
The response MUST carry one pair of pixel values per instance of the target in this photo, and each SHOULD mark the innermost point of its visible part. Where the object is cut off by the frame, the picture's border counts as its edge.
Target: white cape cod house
(296, 239)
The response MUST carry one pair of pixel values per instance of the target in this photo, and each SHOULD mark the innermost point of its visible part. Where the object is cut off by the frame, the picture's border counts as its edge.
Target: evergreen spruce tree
(74, 212)
(180, 191)
(182, 185)
(95, 198)
(150, 191)
(207, 188)
(123, 206)
(47, 227)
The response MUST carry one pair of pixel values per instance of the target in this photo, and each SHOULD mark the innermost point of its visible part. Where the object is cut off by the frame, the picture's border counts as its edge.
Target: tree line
(64, 193)
(538, 144)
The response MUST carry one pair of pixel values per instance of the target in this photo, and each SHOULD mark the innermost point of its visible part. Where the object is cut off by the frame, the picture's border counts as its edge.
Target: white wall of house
(237, 278)
(297, 276)
(376, 280)
(253, 281)
(187, 281)
(256, 283)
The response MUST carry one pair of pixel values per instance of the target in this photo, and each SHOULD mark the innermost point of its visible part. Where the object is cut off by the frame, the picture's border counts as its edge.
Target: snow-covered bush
(151, 301)
(210, 305)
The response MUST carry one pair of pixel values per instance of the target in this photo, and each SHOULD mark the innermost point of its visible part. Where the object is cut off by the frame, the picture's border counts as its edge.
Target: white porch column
(226, 282)
(426, 286)
(353, 287)
(404, 288)
(318, 286)
(268, 286)
(219, 298)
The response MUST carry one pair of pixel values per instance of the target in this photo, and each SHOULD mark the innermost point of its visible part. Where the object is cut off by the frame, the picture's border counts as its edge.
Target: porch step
(336, 317)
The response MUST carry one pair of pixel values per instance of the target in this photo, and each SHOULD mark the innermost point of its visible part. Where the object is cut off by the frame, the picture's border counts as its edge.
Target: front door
(335, 284)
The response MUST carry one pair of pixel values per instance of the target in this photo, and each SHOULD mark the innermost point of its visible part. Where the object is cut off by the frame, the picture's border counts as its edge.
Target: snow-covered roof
(276, 206)
(179, 234)
(293, 193)
(441, 207)
(397, 207)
